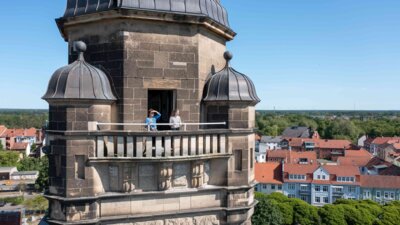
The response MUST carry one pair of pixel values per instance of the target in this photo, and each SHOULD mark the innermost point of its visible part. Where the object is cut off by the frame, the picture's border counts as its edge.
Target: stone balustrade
(159, 145)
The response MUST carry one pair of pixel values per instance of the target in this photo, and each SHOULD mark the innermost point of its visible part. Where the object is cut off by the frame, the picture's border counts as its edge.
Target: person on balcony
(151, 120)
(175, 120)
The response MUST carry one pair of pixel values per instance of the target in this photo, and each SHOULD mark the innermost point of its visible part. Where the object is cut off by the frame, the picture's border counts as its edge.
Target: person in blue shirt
(151, 120)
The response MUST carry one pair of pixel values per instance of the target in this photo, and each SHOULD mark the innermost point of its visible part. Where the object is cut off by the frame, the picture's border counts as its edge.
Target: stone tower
(127, 56)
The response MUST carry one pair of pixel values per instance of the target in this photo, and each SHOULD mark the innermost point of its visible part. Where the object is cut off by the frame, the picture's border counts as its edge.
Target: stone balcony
(161, 145)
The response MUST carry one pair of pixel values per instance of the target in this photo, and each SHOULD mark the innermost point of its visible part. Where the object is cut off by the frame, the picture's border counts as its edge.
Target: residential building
(358, 158)
(373, 144)
(325, 148)
(269, 177)
(288, 156)
(266, 144)
(381, 189)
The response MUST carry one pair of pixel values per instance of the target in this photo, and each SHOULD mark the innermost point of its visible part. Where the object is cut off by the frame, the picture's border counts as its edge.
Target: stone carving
(206, 220)
(129, 181)
(197, 174)
(181, 174)
(165, 176)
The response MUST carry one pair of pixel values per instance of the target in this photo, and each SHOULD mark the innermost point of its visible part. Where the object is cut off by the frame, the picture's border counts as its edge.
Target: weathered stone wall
(143, 55)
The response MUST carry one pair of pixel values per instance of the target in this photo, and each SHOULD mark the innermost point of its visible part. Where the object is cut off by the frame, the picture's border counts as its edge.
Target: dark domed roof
(79, 80)
(204, 8)
(231, 86)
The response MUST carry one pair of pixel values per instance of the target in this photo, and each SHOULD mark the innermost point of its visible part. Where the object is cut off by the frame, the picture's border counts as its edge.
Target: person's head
(175, 112)
(151, 113)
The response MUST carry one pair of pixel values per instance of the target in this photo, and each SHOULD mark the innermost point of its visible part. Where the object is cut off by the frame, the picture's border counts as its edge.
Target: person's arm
(157, 116)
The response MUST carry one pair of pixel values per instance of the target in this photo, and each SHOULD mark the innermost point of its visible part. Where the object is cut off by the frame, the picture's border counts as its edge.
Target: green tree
(267, 213)
(37, 203)
(8, 158)
(43, 180)
(332, 215)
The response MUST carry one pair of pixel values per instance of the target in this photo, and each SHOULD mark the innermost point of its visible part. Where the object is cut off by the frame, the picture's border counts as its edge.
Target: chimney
(283, 167)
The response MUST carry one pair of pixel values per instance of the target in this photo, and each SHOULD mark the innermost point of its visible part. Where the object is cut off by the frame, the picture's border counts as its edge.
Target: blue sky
(301, 54)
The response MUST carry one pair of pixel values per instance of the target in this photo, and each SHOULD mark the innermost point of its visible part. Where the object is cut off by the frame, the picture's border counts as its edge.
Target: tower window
(238, 160)
(80, 167)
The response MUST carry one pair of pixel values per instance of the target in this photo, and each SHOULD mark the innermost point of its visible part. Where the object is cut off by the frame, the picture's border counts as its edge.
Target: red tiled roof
(320, 143)
(292, 156)
(333, 144)
(342, 171)
(31, 132)
(299, 169)
(284, 154)
(358, 153)
(19, 146)
(383, 140)
(378, 181)
(269, 172)
(353, 161)
(3, 130)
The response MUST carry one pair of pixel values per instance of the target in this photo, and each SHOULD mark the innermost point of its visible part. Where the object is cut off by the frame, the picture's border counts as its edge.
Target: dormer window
(345, 179)
(297, 177)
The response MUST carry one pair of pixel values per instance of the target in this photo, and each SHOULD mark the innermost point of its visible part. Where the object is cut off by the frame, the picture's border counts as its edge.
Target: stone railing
(161, 144)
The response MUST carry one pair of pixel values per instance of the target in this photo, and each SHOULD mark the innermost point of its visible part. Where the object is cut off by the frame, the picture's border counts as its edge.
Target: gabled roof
(31, 132)
(3, 130)
(383, 140)
(296, 132)
(353, 161)
(270, 139)
(345, 144)
(269, 172)
(343, 171)
(19, 146)
(358, 153)
(292, 156)
(378, 181)
(300, 169)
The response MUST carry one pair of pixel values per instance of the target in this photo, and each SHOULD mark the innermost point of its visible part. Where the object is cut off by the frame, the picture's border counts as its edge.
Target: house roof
(358, 153)
(376, 162)
(342, 171)
(271, 139)
(292, 168)
(31, 132)
(3, 130)
(320, 143)
(7, 169)
(19, 146)
(383, 140)
(353, 161)
(325, 143)
(292, 156)
(391, 170)
(296, 132)
(22, 173)
(379, 181)
(269, 172)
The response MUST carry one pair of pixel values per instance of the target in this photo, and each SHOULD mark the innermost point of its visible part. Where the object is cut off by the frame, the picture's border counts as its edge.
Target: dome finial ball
(228, 56)
(80, 46)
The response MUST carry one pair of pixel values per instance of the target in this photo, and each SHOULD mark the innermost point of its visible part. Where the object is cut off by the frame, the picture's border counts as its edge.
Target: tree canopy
(342, 212)
(350, 128)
